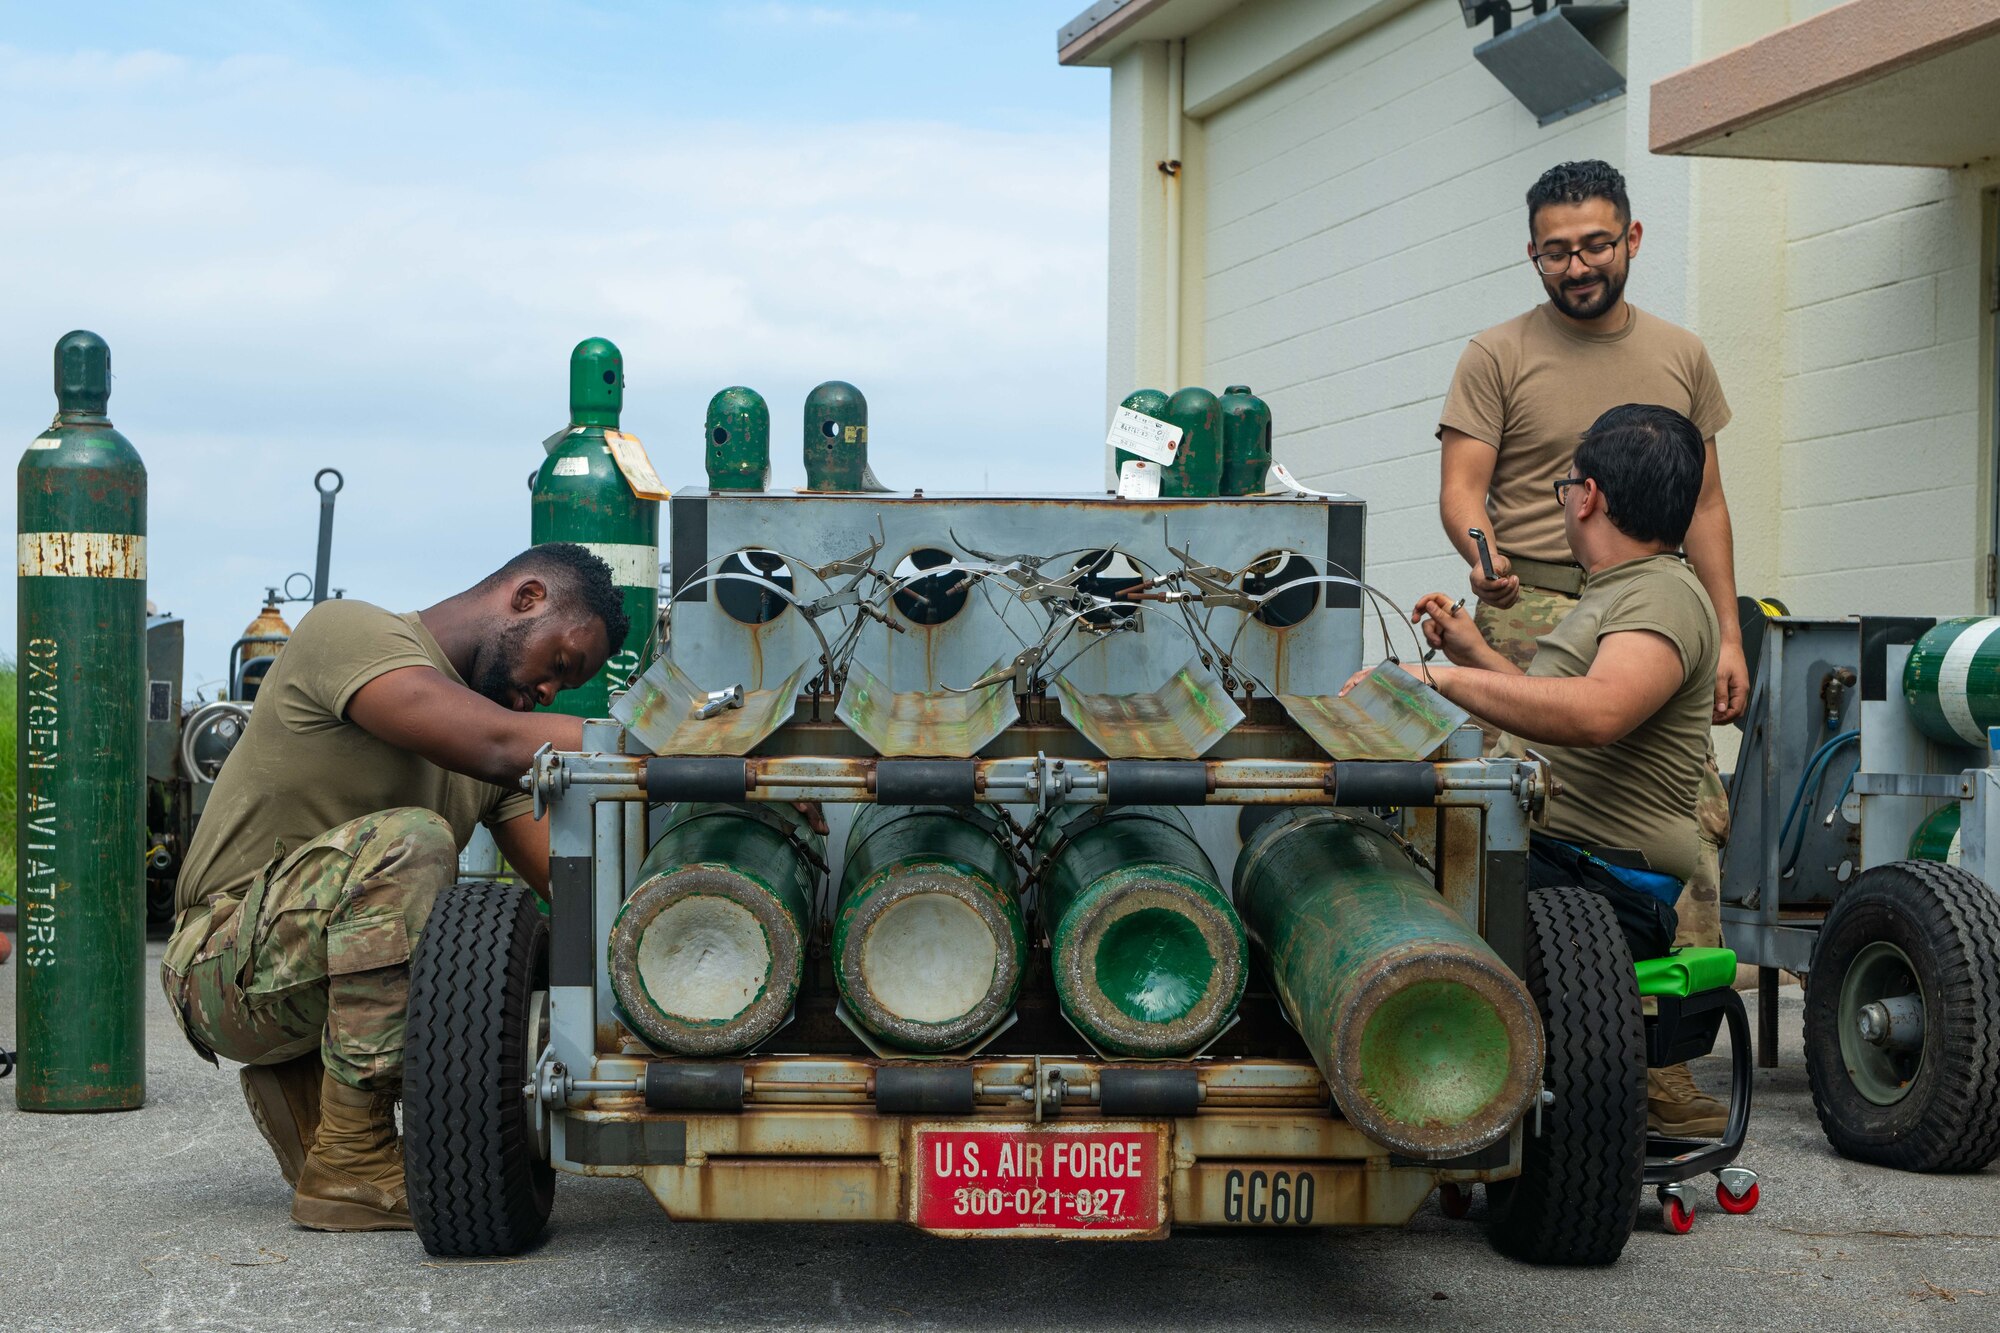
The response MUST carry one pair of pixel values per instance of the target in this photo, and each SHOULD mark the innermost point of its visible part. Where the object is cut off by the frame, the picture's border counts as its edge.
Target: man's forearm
(1548, 710)
(1711, 550)
(1459, 512)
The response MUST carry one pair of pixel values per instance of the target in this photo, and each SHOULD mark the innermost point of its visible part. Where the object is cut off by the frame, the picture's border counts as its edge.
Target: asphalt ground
(175, 1217)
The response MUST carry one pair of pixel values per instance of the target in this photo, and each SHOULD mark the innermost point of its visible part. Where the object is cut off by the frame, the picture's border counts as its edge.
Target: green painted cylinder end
(737, 440)
(596, 383)
(83, 372)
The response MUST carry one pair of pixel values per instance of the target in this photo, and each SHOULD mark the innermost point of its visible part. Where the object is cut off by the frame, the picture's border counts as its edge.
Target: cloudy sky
(366, 236)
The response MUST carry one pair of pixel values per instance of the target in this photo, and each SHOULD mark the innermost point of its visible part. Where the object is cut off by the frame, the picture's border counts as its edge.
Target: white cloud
(299, 266)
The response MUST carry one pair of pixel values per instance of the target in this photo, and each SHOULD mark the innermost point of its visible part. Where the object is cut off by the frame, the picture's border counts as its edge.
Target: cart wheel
(1737, 1204)
(477, 1170)
(1577, 1197)
(1903, 1019)
(1676, 1216)
(1454, 1201)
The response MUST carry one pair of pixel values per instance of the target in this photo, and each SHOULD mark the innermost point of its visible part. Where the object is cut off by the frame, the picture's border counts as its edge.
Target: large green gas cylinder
(928, 941)
(1149, 956)
(1246, 441)
(1430, 1043)
(1937, 838)
(80, 755)
(737, 441)
(1197, 466)
(1952, 680)
(581, 496)
(707, 952)
(836, 443)
(1150, 402)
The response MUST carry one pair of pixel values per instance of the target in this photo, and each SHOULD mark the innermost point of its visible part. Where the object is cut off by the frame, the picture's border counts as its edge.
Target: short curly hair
(577, 579)
(1574, 182)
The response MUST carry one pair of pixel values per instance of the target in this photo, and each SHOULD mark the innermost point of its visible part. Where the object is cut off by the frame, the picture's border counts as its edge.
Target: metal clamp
(545, 779)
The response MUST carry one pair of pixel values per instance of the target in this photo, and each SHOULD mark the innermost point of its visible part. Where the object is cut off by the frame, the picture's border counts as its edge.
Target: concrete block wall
(1882, 447)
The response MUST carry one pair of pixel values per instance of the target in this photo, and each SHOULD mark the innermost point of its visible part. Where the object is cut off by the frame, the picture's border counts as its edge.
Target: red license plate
(1093, 1180)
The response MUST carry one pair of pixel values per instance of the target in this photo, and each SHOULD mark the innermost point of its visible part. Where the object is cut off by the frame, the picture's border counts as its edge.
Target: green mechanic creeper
(582, 496)
(81, 749)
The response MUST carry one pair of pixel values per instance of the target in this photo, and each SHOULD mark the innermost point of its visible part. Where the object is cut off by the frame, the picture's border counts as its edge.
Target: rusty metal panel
(1183, 719)
(779, 1189)
(1389, 714)
(662, 708)
(933, 723)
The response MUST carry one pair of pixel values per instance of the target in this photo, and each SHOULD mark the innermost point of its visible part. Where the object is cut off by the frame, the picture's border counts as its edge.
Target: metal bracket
(545, 779)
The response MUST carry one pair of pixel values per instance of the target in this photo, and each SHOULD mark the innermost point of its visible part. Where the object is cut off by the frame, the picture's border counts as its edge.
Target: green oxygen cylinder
(581, 496)
(1951, 680)
(737, 441)
(1197, 465)
(707, 953)
(80, 756)
(928, 940)
(1149, 956)
(836, 440)
(1149, 402)
(1937, 838)
(1430, 1043)
(1246, 441)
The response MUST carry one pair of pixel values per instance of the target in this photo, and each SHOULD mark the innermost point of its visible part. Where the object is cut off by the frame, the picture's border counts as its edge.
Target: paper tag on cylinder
(1138, 480)
(630, 455)
(1148, 437)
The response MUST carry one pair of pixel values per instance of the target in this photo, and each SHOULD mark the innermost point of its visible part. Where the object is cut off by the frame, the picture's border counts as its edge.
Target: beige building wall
(1361, 178)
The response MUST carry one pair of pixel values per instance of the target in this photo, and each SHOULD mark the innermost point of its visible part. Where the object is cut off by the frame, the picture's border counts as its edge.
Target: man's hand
(1499, 592)
(815, 815)
(1732, 683)
(1446, 626)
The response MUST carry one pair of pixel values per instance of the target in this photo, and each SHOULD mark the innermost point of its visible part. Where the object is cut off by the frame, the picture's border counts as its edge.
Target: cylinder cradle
(737, 441)
(81, 750)
(1431, 1044)
(581, 496)
(1952, 680)
(1149, 957)
(928, 940)
(1246, 441)
(707, 953)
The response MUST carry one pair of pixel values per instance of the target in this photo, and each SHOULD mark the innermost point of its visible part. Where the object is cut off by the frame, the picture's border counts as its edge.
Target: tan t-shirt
(302, 768)
(1532, 386)
(1638, 792)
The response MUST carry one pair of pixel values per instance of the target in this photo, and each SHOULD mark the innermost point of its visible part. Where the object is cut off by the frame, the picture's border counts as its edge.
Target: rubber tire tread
(1577, 1197)
(478, 1183)
(1948, 921)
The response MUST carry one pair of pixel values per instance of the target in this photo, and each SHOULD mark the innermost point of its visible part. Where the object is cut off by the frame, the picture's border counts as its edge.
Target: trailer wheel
(1903, 1019)
(474, 1161)
(1577, 1197)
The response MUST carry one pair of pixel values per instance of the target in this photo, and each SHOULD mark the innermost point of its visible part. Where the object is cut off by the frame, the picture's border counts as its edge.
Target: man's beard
(499, 663)
(1612, 287)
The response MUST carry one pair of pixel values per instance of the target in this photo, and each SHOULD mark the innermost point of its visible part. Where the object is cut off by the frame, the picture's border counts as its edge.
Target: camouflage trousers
(316, 953)
(1513, 634)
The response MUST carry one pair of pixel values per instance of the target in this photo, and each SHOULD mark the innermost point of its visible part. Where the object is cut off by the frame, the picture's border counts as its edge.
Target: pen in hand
(1456, 607)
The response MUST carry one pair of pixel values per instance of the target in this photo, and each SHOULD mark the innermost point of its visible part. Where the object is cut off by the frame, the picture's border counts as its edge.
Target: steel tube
(1430, 1043)
(928, 941)
(1149, 956)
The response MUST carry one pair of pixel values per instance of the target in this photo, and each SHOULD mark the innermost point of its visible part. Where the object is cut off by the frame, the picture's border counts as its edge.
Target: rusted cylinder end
(928, 941)
(1149, 957)
(1431, 1044)
(707, 954)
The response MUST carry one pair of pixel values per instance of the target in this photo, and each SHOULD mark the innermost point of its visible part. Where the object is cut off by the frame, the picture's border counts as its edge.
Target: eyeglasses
(1563, 485)
(1595, 255)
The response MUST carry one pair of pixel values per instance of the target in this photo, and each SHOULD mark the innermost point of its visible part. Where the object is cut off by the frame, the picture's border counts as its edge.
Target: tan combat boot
(353, 1177)
(284, 1101)
(1678, 1109)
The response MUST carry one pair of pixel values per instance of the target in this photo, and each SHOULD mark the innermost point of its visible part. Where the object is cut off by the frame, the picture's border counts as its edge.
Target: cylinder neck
(82, 379)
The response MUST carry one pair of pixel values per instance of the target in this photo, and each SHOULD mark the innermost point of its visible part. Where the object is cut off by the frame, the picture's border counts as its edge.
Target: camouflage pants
(316, 954)
(1513, 634)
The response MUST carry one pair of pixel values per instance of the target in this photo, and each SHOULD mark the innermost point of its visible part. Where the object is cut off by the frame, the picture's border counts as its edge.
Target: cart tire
(1945, 923)
(1731, 1203)
(479, 1183)
(1577, 1197)
(1676, 1216)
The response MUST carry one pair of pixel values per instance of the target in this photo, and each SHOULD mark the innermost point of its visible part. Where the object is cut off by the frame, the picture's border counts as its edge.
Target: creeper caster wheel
(1736, 1189)
(1677, 1208)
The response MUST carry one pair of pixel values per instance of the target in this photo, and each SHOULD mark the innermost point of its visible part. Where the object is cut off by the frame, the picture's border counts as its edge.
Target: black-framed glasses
(1594, 255)
(1562, 486)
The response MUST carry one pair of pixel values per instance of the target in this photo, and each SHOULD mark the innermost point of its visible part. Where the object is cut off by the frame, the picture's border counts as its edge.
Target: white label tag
(1283, 476)
(1148, 437)
(576, 465)
(1138, 480)
(630, 455)
(47, 442)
